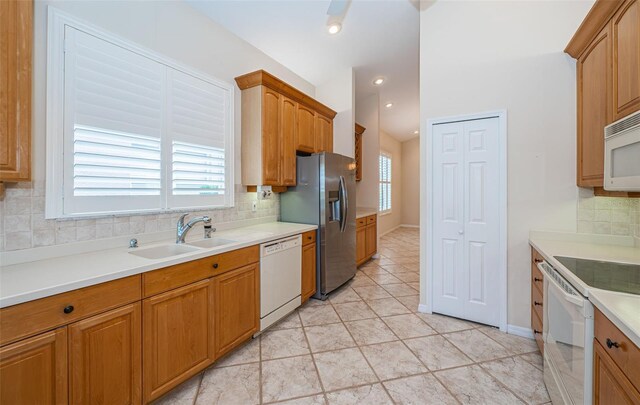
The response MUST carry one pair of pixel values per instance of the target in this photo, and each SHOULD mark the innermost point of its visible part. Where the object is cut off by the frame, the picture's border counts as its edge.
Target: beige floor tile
(353, 311)
(421, 389)
(408, 326)
(318, 315)
(476, 345)
(384, 261)
(290, 321)
(329, 337)
(408, 277)
(411, 302)
(312, 400)
(408, 259)
(289, 378)
(535, 359)
(387, 307)
(372, 292)
(230, 385)
(400, 290)
(344, 294)
(373, 270)
(392, 360)
(248, 353)
(521, 377)
(184, 394)
(283, 343)
(335, 374)
(369, 394)
(472, 385)
(394, 268)
(437, 353)
(444, 324)
(385, 278)
(514, 344)
(361, 280)
(370, 331)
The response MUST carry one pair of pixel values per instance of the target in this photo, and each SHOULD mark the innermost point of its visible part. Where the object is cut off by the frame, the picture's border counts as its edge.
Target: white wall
(368, 115)
(339, 95)
(173, 29)
(393, 219)
(410, 198)
(480, 56)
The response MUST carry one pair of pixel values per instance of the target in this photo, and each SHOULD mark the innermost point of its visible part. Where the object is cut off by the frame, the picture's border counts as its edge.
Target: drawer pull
(537, 280)
(611, 343)
(68, 309)
(215, 265)
(537, 260)
(309, 237)
(537, 332)
(537, 303)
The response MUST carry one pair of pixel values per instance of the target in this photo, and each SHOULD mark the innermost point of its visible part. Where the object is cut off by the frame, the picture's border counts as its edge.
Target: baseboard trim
(423, 308)
(520, 331)
(409, 226)
(390, 230)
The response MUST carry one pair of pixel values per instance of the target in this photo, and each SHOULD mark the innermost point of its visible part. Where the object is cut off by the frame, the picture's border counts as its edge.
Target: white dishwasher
(280, 279)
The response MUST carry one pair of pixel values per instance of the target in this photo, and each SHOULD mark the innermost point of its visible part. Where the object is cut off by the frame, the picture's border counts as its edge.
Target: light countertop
(622, 309)
(365, 212)
(37, 279)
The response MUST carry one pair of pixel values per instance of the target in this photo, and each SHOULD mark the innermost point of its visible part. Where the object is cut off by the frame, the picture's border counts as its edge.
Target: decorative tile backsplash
(23, 225)
(608, 215)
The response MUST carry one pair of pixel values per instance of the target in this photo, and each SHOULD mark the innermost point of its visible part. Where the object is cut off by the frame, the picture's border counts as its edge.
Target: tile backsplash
(608, 215)
(23, 226)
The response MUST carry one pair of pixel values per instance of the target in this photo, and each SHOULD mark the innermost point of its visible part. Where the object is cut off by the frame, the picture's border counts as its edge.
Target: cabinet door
(358, 156)
(306, 134)
(361, 250)
(625, 34)
(324, 134)
(16, 43)
(34, 370)
(308, 271)
(610, 385)
(288, 142)
(236, 308)
(178, 336)
(371, 240)
(105, 358)
(270, 137)
(594, 109)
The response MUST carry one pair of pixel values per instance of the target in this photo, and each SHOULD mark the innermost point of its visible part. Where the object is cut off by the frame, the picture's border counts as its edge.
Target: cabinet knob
(215, 265)
(537, 332)
(537, 260)
(537, 280)
(68, 309)
(611, 343)
(537, 303)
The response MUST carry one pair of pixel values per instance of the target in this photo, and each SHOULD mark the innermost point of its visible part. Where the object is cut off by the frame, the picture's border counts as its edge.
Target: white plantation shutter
(385, 182)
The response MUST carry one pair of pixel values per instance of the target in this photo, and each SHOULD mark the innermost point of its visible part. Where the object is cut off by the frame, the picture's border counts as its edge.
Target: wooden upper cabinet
(289, 121)
(324, 134)
(105, 365)
(306, 134)
(34, 371)
(625, 33)
(359, 130)
(16, 43)
(271, 139)
(594, 109)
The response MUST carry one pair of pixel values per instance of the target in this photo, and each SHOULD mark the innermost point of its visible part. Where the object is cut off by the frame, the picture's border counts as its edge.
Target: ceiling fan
(336, 12)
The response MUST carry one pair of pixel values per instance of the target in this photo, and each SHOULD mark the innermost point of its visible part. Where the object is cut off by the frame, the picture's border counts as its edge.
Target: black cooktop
(610, 276)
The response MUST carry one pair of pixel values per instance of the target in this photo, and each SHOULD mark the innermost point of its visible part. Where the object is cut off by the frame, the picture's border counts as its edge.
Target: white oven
(622, 154)
(568, 340)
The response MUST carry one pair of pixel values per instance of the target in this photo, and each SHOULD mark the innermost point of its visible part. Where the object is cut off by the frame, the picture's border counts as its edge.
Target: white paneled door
(466, 220)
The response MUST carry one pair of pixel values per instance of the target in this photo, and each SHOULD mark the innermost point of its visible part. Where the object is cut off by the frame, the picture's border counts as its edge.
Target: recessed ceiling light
(416, 132)
(334, 28)
(378, 81)
(389, 105)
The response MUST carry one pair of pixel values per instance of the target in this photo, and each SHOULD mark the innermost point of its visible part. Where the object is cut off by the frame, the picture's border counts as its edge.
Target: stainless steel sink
(213, 242)
(160, 252)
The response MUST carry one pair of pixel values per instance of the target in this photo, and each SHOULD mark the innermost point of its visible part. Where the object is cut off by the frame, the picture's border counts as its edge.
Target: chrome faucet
(182, 229)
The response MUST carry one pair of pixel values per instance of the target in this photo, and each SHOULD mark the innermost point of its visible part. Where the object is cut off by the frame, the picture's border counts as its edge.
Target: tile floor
(368, 344)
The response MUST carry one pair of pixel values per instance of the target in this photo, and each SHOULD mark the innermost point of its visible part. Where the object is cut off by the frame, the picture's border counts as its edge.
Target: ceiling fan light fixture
(378, 81)
(334, 28)
(389, 105)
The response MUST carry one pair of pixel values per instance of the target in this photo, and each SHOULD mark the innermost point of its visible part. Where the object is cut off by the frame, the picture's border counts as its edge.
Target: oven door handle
(574, 299)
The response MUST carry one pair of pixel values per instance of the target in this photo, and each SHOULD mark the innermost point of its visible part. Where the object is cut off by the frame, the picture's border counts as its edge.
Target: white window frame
(389, 156)
(55, 117)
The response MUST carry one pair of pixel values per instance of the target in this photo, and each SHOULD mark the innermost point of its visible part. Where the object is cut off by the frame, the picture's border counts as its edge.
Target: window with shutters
(385, 183)
(129, 131)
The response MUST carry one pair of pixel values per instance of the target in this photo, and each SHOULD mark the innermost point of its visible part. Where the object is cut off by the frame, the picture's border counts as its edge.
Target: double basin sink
(174, 249)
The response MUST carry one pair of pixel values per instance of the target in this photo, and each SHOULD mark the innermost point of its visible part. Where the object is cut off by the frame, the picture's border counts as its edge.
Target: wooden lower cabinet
(371, 240)
(366, 238)
(236, 307)
(361, 250)
(34, 370)
(308, 271)
(610, 385)
(105, 364)
(178, 332)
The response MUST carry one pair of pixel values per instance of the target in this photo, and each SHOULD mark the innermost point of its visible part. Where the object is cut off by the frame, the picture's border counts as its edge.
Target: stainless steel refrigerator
(325, 195)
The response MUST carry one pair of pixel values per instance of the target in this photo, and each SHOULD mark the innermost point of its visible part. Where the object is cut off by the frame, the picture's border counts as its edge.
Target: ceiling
(378, 38)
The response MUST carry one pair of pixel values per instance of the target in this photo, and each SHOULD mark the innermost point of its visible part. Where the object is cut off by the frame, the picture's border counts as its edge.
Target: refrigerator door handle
(344, 204)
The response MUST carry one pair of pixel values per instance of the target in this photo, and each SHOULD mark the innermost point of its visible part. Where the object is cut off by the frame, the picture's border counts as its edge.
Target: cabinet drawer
(536, 325)
(26, 319)
(537, 279)
(361, 222)
(537, 301)
(308, 237)
(536, 257)
(626, 355)
(156, 282)
(371, 219)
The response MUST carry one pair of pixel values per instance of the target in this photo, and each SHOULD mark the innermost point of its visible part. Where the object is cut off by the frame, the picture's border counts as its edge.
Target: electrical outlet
(254, 206)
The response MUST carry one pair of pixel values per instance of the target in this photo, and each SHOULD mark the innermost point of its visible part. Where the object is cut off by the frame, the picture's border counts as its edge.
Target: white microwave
(622, 154)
